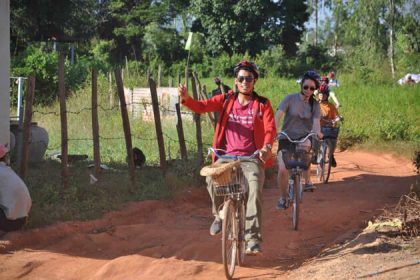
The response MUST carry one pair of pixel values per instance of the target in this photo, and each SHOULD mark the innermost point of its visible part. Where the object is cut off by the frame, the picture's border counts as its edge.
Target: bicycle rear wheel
(321, 163)
(295, 202)
(241, 214)
(328, 160)
(229, 239)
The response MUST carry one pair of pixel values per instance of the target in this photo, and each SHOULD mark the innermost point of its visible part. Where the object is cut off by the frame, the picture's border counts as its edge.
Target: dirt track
(170, 240)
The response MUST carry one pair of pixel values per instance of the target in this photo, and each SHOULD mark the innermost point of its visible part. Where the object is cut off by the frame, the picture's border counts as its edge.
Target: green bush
(41, 61)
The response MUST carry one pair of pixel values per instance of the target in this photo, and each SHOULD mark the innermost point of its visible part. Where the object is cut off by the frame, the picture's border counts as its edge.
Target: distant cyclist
(329, 117)
(246, 124)
(301, 116)
(333, 81)
(325, 80)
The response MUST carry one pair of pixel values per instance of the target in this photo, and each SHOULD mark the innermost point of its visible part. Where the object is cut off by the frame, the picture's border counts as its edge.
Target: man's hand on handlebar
(265, 154)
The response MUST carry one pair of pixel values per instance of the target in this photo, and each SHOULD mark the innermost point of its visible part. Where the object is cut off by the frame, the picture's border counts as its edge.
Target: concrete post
(4, 71)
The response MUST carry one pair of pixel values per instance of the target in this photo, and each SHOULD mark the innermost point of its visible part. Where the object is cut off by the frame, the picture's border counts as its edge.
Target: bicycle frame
(325, 153)
(233, 213)
(295, 162)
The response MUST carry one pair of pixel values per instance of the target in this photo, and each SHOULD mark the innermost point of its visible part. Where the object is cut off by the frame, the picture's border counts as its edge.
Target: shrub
(42, 61)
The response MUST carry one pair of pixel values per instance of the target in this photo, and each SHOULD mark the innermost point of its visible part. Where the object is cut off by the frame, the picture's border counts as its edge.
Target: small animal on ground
(138, 157)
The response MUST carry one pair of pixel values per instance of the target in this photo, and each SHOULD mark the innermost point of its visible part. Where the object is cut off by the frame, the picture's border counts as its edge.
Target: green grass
(377, 117)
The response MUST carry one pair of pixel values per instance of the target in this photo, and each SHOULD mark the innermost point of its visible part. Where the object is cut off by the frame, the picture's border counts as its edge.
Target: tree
(247, 25)
(124, 23)
(44, 20)
(294, 15)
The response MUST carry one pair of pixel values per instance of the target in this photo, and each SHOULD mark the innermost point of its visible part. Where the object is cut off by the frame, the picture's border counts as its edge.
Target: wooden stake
(158, 124)
(63, 118)
(126, 124)
(29, 98)
(95, 124)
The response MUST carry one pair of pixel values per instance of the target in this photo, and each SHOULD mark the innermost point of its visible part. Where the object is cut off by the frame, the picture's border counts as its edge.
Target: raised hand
(182, 92)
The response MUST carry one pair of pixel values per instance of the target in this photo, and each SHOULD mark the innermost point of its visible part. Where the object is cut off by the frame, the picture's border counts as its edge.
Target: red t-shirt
(240, 130)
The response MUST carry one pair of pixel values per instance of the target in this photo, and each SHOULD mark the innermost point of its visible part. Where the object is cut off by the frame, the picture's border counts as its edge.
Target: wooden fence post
(111, 90)
(180, 130)
(63, 118)
(159, 78)
(158, 124)
(95, 123)
(204, 97)
(126, 124)
(27, 126)
(126, 68)
(197, 126)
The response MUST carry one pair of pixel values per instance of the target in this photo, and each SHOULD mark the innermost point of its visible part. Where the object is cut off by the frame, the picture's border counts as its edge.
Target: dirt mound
(170, 239)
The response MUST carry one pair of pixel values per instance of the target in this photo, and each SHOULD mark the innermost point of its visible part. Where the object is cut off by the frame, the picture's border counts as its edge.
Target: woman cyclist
(301, 116)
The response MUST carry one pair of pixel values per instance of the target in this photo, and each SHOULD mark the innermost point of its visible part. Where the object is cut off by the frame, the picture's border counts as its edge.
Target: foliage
(294, 15)
(247, 26)
(125, 24)
(44, 20)
(42, 62)
(163, 43)
(273, 62)
(360, 31)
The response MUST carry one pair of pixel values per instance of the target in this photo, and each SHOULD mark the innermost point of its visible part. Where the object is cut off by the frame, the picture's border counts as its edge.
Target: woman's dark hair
(314, 76)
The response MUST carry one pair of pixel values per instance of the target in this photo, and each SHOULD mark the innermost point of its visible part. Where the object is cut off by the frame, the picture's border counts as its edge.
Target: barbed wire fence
(161, 137)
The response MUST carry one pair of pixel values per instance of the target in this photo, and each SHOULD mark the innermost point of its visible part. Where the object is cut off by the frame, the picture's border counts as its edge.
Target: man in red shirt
(246, 124)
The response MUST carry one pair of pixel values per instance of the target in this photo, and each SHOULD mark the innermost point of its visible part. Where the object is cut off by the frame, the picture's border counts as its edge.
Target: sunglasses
(308, 87)
(247, 79)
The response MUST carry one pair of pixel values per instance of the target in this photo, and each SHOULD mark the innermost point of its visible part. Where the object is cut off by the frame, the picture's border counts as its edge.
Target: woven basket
(221, 173)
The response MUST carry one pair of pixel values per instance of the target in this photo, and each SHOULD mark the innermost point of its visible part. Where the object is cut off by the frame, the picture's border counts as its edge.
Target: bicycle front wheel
(328, 160)
(241, 214)
(321, 163)
(229, 239)
(296, 202)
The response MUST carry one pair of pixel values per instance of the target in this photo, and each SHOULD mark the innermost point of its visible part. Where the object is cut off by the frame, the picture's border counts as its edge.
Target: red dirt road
(170, 240)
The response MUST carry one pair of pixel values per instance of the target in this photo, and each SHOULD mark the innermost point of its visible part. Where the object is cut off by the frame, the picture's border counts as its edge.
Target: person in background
(410, 81)
(301, 116)
(329, 117)
(326, 81)
(221, 89)
(333, 81)
(245, 126)
(15, 201)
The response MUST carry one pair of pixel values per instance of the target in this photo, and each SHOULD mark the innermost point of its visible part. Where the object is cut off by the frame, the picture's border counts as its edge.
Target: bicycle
(325, 151)
(228, 181)
(296, 160)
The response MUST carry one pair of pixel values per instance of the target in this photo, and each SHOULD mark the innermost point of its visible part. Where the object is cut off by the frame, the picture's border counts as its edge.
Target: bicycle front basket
(296, 158)
(233, 183)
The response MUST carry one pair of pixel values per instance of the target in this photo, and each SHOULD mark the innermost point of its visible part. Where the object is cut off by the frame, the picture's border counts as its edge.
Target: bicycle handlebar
(296, 141)
(215, 151)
